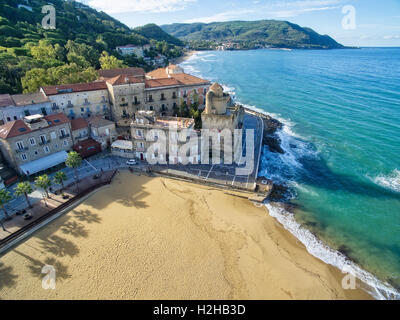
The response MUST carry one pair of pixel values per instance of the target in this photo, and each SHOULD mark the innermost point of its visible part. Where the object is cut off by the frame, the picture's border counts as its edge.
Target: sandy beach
(186, 55)
(156, 238)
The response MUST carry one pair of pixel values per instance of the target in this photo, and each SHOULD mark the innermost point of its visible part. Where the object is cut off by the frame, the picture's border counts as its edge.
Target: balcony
(70, 105)
(151, 100)
(86, 103)
(21, 150)
(139, 149)
(64, 136)
(174, 96)
(123, 104)
(185, 95)
(42, 143)
(55, 107)
(136, 103)
(136, 137)
(163, 99)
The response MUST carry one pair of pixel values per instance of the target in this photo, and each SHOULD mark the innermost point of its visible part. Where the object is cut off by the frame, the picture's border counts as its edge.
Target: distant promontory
(236, 35)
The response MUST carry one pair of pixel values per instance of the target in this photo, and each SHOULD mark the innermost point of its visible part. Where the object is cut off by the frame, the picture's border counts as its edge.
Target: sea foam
(284, 169)
(391, 181)
(378, 289)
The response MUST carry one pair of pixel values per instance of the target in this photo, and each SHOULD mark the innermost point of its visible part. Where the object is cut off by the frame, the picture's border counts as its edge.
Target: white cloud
(265, 11)
(391, 37)
(297, 12)
(223, 16)
(121, 6)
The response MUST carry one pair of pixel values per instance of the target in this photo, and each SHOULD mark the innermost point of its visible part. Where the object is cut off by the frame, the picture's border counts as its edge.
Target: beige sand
(186, 55)
(155, 238)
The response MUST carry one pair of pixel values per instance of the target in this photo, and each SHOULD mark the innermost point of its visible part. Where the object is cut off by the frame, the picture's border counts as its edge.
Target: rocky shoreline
(270, 138)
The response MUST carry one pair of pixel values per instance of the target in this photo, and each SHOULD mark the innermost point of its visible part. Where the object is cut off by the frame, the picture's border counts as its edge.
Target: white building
(80, 100)
(18, 106)
(130, 49)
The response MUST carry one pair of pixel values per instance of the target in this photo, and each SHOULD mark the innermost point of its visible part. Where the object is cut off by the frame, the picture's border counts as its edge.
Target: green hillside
(83, 40)
(251, 34)
(153, 31)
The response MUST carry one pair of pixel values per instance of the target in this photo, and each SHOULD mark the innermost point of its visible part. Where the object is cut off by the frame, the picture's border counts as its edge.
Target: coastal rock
(270, 138)
(273, 143)
(278, 193)
(271, 125)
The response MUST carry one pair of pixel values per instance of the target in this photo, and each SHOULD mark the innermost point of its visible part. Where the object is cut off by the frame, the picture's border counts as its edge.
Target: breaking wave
(391, 181)
(285, 168)
(318, 249)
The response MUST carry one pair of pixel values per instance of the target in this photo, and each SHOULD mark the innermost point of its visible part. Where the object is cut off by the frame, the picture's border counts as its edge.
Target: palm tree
(59, 178)
(74, 161)
(24, 188)
(43, 182)
(5, 197)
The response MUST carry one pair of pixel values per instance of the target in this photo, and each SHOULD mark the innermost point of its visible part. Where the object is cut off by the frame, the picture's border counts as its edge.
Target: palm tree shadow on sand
(7, 277)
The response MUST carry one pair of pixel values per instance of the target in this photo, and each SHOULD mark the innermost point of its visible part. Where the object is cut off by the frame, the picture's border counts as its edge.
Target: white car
(131, 162)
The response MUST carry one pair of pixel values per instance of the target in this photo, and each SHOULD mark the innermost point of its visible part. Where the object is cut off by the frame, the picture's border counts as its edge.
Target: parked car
(131, 162)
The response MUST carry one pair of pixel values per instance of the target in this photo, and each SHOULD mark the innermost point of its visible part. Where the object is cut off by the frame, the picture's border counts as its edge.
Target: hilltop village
(114, 112)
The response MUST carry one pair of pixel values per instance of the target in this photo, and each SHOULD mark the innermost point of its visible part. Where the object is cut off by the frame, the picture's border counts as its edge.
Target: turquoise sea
(341, 110)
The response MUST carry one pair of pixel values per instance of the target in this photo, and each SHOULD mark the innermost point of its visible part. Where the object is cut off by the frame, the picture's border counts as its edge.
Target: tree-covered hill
(83, 40)
(153, 31)
(251, 34)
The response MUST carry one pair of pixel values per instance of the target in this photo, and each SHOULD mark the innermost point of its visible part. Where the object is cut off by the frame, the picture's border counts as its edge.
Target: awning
(122, 144)
(43, 163)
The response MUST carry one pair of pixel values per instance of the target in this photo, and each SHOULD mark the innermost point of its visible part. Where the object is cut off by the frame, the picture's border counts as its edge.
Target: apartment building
(18, 106)
(36, 142)
(188, 86)
(145, 121)
(127, 96)
(80, 100)
(130, 49)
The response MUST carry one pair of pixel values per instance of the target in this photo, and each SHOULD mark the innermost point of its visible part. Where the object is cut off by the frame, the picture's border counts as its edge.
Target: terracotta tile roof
(165, 82)
(77, 124)
(56, 119)
(158, 73)
(76, 87)
(98, 121)
(188, 79)
(29, 98)
(183, 78)
(6, 100)
(13, 129)
(19, 127)
(112, 73)
(124, 79)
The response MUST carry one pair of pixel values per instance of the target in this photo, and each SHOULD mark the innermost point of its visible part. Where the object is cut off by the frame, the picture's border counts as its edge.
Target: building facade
(143, 136)
(127, 95)
(80, 100)
(36, 143)
(102, 130)
(18, 106)
(130, 49)
(188, 87)
(79, 130)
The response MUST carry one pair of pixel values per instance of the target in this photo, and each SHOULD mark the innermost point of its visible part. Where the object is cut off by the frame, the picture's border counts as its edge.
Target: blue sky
(377, 22)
